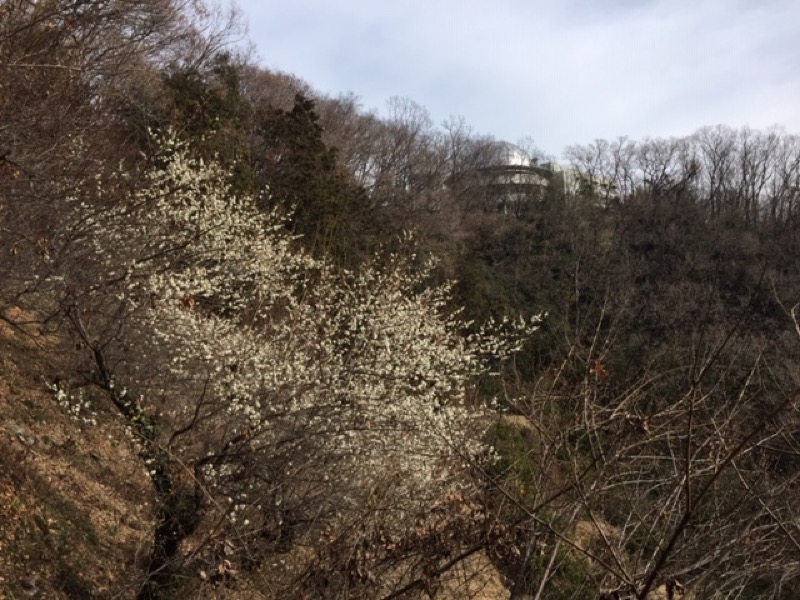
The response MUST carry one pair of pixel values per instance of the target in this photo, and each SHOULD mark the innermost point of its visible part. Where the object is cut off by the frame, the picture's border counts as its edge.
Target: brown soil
(75, 503)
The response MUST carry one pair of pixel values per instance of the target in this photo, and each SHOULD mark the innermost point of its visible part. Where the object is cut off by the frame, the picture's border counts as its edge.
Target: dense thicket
(225, 246)
(670, 339)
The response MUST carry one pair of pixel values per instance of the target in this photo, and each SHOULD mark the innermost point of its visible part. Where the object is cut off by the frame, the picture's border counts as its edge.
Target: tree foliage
(272, 389)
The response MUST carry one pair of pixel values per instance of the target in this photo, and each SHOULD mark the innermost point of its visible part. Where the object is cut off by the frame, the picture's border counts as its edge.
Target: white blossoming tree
(296, 403)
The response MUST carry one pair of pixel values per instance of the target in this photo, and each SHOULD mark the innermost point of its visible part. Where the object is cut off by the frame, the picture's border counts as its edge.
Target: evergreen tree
(334, 215)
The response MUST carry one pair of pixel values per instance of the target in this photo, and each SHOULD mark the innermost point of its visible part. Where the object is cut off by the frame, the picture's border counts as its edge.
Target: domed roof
(509, 155)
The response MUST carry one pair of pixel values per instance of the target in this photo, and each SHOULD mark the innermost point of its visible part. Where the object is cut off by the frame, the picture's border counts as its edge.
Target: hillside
(77, 505)
(256, 342)
(77, 508)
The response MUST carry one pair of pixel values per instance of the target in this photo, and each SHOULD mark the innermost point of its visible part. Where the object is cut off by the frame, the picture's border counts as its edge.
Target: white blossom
(365, 373)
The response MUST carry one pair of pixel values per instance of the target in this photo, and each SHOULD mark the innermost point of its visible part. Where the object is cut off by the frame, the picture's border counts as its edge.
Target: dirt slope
(75, 504)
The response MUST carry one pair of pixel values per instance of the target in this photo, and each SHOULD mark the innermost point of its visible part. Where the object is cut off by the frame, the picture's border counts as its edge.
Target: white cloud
(561, 72)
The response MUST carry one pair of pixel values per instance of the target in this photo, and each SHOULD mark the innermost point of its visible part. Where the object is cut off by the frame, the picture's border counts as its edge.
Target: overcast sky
(562, 72)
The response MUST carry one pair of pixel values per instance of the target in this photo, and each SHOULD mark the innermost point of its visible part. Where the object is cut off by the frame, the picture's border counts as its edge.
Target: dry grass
(476, 578)
(75, 503)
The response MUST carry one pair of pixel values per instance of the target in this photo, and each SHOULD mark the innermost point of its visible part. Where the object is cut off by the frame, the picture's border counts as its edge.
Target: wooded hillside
(260, 342)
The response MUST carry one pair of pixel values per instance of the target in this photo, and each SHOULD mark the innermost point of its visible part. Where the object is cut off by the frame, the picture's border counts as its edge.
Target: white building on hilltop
(511, 180)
